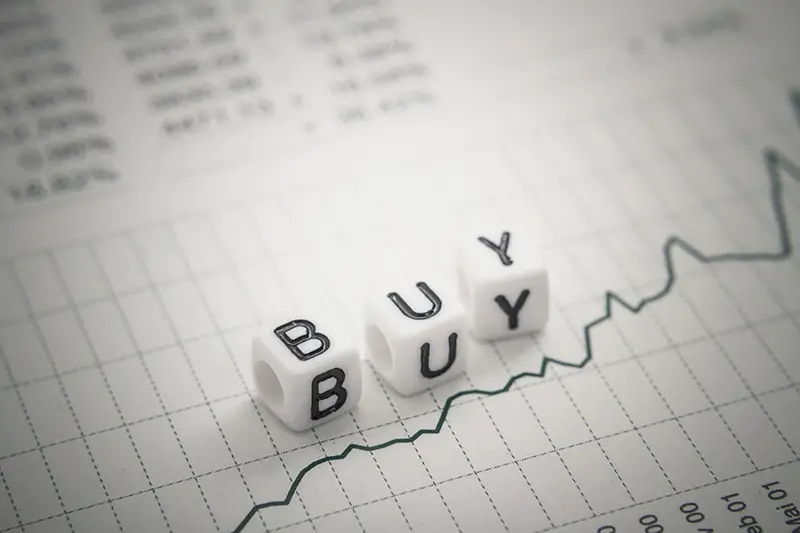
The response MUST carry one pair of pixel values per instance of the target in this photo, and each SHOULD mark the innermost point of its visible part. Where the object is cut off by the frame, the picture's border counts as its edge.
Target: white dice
(503, 285)
(417, 337)
(304, 373)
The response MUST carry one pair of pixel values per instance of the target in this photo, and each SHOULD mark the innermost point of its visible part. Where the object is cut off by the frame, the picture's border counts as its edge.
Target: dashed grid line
(114, 401)
(167, 417)
(789, 315)
(774, 163)
(516, 461)
(399, 419)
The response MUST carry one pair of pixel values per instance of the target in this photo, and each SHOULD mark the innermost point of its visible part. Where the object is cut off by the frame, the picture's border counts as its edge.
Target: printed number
(692, 512)
(650, 521)
(34, 190)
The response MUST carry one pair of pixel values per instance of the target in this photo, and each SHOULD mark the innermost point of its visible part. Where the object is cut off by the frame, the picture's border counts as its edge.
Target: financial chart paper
(175, 173)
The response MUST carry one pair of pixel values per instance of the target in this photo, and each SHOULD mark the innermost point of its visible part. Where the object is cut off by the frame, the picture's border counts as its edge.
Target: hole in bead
(269, 386)
(379, 352)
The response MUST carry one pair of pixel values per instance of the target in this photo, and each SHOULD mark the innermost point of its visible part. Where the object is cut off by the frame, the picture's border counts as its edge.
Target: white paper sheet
(176, 172)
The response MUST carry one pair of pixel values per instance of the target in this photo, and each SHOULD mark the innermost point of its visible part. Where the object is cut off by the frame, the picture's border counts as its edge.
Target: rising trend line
(774, 162)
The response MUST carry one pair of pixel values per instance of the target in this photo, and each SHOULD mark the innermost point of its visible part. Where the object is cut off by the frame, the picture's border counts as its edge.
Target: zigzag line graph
(774, 163)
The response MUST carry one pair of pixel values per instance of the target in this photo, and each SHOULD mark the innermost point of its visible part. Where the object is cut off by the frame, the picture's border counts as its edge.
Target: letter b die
(503, 284)
(304, 374)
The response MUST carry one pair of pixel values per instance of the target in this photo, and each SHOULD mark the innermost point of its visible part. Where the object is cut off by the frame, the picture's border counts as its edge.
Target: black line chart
(775, 164)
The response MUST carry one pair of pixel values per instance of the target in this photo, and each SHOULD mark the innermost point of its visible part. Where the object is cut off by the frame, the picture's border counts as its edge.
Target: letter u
(433, 298)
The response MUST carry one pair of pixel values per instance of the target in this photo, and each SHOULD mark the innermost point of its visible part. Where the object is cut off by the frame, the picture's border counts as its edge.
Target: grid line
(638, 231)
(401, 422)
(748, 322)
(488, 469)
(521, 386)
(218, 333)
(287, 255)
(111, 394)
(631, 220)
(794, 386)
(505, 442)
(705, 326)
(675, 160)
(152, 383)
(471, 466)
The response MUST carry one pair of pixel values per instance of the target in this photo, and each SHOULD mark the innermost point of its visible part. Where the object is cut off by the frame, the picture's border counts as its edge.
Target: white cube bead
(304, 373)
(417, 337)
(503, 284)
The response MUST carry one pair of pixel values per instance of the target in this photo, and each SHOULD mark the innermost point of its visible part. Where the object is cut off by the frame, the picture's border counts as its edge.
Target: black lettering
(337, 390)
(777, 494)
(747, 521)
(436, 303)
(425, 357)
(310, 334)
(502, 249)
(513, 311)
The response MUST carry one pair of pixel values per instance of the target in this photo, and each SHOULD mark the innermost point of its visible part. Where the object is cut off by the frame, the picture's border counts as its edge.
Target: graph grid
(670, 361)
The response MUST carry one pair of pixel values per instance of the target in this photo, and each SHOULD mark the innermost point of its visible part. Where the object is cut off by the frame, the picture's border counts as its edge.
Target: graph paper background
(125, 382)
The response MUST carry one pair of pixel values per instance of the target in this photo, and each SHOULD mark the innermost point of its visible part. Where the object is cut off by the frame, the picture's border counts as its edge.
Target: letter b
(310, 335)
(305, 376)
(337, 391)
